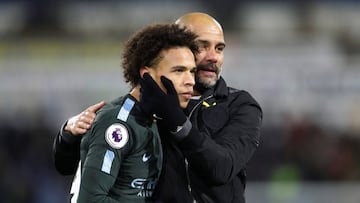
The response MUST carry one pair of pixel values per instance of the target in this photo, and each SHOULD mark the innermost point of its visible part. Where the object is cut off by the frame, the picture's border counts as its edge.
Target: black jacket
(66, 152)
(225, 134)
(210, 162)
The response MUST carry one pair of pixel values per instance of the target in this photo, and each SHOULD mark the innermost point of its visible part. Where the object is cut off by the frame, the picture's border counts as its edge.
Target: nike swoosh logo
(146, 157)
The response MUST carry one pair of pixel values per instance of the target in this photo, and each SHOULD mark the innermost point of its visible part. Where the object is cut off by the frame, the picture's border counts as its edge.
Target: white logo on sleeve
(116, 135)
(146, 157)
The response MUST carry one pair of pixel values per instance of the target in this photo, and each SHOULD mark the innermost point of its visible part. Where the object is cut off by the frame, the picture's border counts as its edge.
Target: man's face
(178, 65)
(211, 53)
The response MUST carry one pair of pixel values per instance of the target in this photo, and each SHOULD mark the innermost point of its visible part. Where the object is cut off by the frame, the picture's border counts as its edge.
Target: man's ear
(143, 70)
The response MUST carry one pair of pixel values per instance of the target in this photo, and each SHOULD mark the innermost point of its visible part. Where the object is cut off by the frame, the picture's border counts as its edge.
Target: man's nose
(212, 55)
(189, 79)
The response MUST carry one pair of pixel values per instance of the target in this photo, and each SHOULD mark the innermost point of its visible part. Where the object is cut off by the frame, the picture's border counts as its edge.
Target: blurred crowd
(304, 151)
(27, 173)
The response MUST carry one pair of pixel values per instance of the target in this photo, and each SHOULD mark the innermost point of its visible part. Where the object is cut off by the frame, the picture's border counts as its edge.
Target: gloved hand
(165, 106)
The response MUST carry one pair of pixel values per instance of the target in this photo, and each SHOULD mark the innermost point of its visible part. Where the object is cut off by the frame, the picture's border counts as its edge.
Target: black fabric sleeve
(66, 152)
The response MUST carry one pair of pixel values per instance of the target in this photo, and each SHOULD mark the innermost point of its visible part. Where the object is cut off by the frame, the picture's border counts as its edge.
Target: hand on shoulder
(81, 123)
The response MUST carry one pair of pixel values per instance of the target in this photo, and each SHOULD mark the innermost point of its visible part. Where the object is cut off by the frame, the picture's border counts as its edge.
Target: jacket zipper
(198, 104)
(186, 161)
(188, 179)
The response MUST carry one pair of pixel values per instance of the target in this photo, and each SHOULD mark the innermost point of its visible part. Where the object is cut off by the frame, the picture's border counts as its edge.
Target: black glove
(166, 107)
(146, 102)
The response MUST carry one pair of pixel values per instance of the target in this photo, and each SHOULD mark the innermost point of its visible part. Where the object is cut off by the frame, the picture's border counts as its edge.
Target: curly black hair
(144, 47)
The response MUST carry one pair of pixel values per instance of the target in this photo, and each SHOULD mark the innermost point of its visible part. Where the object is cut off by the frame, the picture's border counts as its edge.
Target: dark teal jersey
(121, 156)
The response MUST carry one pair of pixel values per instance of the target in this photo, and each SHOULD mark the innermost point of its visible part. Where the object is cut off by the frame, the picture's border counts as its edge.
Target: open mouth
(208, 68)
(206, 72)
(187, 95)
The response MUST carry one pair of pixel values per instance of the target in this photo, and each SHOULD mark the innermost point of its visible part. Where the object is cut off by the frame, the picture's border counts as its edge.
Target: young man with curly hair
(121, 155)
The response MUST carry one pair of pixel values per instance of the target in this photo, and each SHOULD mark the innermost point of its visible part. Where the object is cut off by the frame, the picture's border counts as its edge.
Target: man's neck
(135, 92)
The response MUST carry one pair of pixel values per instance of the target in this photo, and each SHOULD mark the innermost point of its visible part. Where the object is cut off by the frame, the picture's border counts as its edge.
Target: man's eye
(220, 49)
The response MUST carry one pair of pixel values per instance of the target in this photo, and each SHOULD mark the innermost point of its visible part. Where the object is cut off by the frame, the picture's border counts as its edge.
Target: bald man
(206, 160)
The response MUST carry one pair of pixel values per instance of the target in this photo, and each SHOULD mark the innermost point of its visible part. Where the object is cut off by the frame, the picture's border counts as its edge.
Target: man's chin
(183, 104)
(207, 82)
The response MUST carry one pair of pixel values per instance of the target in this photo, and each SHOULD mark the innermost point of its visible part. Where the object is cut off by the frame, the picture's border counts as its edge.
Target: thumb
(94, 108)
(150, 85)
(149, 82)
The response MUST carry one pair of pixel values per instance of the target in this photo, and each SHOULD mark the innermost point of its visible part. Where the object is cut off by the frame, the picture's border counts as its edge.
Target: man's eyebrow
(178, 67)
(183, 68)
(203, 41)
(221, 44)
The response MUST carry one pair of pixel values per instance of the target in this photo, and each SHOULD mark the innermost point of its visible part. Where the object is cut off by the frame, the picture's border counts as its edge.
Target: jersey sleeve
(102, 162)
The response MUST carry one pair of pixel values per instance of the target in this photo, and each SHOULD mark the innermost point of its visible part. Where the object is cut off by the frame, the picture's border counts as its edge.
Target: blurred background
(299, 59)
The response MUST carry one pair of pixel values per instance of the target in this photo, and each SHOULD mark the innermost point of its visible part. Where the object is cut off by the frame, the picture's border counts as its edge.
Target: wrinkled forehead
(209, 35)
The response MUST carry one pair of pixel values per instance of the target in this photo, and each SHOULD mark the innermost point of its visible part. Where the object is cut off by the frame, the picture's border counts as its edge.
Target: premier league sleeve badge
(116, 135)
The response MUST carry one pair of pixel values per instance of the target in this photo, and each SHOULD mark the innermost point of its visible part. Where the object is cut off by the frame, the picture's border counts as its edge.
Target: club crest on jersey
(116, 135)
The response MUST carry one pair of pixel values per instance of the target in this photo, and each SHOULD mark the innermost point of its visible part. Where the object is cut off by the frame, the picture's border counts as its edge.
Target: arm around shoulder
(66, 151)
